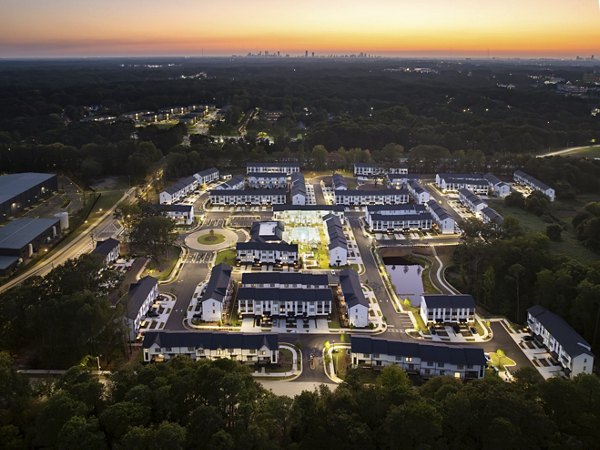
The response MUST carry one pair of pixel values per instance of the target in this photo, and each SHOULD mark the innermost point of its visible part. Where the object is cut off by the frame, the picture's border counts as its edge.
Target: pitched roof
(210, 340)
(426, 352)
(560, 330)
(400, 217)
(175, 208)
(293, 294)
(399, 209)
(492, 215)
(534, 181)
(216, 289)
(335, 232)
(14, 184)
(449, 301)
(234, 192)
(267, 246)
(327, 208)
(438, 210)
(351, 289)
(138, 293)
(368, 193)
(105, 247)
(471, 197)
(303, 278)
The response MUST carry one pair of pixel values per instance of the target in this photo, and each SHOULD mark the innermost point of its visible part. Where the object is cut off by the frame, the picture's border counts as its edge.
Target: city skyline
(65, 28)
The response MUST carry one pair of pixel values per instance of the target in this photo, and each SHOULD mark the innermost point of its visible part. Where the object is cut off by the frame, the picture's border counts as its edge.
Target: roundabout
(211, 239)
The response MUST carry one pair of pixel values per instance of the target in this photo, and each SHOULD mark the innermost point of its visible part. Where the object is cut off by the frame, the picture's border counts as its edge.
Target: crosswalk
(199, 257)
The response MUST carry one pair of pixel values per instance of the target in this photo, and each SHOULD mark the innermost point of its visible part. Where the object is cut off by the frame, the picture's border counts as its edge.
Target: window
(441, 364)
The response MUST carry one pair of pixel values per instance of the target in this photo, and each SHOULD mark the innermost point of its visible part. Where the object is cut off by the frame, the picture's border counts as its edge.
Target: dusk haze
(539, 28)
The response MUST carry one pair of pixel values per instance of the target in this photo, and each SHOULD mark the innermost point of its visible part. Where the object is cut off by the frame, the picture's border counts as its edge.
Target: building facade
(256, 348)
(444, 221)
(338, 244)
(264, 197)
(268, 180)
(447, 309)
(521, 177)
(217, 294)
(272, 167)
(278, 253)
(427, 360)
(353, 299)
(142, 295)
(375, 197)
(572, 352)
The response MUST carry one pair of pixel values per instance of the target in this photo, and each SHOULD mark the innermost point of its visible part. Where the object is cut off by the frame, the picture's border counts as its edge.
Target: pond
(408, 281)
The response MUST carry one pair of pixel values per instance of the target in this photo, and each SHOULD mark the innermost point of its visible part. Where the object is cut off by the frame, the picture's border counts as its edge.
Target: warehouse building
(19, 191)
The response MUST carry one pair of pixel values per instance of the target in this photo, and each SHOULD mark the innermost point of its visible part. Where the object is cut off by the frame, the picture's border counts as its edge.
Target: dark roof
(19, 233)
(560, 330)
(470, 196)
(303, 278)
(436, 209)
(268, 246)
(8, 261)
(449, 301)
(353, 293)
(416, 186)
(14, 184)
(534, 181)
(298, 185)
(400, 217)
(404, 176)
(336, 208)
(426, 352)
(210, 340)
(335, 231)
(293, 294)
(276, 235)
(232, 192)
(105, 247)
(338, 181)
(272, 164)
(367, 193)
(175, 208)
(206, 172)
(492, 179)
(492, 215)
(414, 208)
(235, 180)
(461, 176)
(217, 284)
(267, 175)
(182, 183)
(138, 293)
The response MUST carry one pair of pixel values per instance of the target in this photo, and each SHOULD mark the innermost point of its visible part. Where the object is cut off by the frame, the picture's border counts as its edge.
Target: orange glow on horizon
(393, 27)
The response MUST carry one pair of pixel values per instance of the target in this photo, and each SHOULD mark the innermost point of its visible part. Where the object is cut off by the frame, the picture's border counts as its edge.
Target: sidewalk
(296, 366)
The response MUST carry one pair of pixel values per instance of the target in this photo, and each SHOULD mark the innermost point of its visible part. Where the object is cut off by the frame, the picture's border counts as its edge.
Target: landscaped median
(336, 361)
(289, 367)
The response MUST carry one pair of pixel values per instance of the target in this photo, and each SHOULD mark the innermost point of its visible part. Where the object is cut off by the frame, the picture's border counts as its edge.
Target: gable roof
(293, 294)
(426, 352)
(303, 278)
(138, 293)
(560, 330)
(449, 301)
(216, 289)
(105, 247)
(210, 340)
(335, 232)
(351, 289)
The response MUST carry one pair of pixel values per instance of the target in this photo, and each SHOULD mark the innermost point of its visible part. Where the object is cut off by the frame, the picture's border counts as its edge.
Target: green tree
(554, 231)
(153, 234)
(79, 432)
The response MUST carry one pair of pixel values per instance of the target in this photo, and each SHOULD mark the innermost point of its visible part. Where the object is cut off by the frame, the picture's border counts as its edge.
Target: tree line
(218, 405)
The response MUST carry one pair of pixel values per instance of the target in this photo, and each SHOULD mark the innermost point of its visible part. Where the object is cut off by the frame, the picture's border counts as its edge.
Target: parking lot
(243, 221)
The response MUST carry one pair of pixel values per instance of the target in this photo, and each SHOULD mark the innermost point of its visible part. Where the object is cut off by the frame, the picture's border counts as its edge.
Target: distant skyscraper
(306, 54)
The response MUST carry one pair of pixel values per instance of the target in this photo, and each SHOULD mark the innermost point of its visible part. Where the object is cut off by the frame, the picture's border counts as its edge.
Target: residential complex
(108, 250)
(236, 197)
(306, 214)
(338, 182)
(278, 253)
(521, 177)
(180, 214)
(371, 197)
(353, 299)
(373, 170)
(298, 189)
(427, 360)
(455, 181)
(217, 294)
(338, 244)
(418, 193)
(444, 221)
(447, 308)
(142, 295)
(243, 347)
(272, 167)
(267, 180)
(572, 352)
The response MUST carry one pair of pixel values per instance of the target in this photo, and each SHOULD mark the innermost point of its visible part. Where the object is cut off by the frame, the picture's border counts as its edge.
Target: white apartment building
(306, 214)
(427, 360)
(444, 221)
(521, 177)
(217, 293)
(272, 167)
(418, 193)
(338, 244)
(207, 176)
(235, 197)
(180, 214)
(353, 299)
(572, 352)
(497, 187)
(373, 170)
(298, 189)
(142, 295)
(447, 309)
(249, 348)
(108, 250)
(280, 253)
(455, 181)
(368, 197)
(471, 201)
(262, 180)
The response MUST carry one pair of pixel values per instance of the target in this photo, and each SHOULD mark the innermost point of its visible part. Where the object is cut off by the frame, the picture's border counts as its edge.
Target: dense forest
(217, 405)
(440, 119)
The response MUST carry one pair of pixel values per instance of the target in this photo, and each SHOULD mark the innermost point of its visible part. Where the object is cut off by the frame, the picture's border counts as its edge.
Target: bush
(554, 232)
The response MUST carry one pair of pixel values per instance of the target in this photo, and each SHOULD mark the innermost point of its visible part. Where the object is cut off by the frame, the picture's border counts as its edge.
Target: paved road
(71, 249)
(566, 151)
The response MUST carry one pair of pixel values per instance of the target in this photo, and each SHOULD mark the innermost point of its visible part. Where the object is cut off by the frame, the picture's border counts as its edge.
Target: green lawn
(592, 151)
(563, 212)
(285, 362)
(226, 256)
(501, 361)
(211, 239)
(162, 266)
(420, 324)
(341, 361)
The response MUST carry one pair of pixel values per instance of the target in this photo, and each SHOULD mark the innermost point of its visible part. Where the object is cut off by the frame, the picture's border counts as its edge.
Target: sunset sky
(32, 28)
